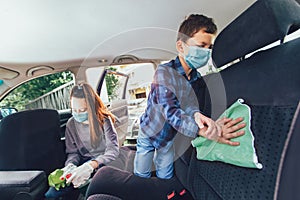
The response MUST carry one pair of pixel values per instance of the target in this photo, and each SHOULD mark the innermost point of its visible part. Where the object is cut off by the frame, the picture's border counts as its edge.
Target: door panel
(120, 109)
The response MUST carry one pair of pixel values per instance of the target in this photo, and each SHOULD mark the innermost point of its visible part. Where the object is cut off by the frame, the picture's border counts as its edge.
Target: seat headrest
(263, 23)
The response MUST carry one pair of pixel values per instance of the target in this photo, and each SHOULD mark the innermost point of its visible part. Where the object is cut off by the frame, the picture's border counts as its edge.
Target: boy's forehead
(201, 37)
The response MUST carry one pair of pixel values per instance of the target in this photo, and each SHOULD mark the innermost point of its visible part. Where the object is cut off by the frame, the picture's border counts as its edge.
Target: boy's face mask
(80, 117)
(197, 57)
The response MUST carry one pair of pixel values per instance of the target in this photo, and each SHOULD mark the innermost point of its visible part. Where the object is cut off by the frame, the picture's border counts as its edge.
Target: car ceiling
(67, 33)
(54, 30)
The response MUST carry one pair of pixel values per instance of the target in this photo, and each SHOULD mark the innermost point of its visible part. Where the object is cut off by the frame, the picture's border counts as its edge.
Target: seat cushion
(13, 183)
(103, 197)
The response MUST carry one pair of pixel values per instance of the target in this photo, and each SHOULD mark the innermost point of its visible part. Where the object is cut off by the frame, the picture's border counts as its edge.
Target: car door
(112, 88)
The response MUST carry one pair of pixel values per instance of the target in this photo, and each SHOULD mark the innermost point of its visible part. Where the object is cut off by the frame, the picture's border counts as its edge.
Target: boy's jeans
(163, 158)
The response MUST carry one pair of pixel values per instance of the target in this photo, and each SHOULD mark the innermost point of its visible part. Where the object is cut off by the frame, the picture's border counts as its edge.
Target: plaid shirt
(171, 105)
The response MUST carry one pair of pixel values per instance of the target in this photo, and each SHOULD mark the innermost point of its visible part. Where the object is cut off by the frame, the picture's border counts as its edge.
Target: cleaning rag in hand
(243, 155)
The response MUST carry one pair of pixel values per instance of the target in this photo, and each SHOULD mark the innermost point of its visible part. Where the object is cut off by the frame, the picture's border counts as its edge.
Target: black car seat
(29, 141)
(102, 197)
(268, 81)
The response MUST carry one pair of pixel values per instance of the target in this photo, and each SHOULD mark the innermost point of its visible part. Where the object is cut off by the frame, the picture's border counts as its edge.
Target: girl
(91, 140)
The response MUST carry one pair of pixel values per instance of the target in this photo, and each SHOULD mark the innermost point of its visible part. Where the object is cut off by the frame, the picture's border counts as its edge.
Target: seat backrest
(269, 83)
(30, 140)
(264, 22)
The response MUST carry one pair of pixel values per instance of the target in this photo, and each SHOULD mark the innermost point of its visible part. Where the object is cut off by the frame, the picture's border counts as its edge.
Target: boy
(172, 105)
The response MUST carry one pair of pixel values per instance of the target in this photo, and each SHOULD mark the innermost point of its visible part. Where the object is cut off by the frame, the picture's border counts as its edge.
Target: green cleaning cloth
(243, 155)
(55, 181)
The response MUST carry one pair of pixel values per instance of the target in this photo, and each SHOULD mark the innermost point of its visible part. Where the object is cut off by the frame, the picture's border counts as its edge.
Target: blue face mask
(197, 57)
(80, 117)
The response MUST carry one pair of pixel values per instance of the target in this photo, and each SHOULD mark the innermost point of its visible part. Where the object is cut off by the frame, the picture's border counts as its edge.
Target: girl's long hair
(97, 111)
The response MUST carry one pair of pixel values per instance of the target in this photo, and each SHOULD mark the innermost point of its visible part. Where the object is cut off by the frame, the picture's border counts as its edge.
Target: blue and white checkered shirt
(171, 105)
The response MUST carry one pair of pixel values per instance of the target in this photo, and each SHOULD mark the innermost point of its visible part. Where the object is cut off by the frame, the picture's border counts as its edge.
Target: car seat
(30, 146)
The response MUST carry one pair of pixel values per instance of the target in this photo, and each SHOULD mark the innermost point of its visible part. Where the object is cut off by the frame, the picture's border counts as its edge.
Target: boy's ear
(179, 46)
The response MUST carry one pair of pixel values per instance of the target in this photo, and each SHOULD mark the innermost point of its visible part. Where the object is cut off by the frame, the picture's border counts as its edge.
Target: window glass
(131, 82)
(51, 91)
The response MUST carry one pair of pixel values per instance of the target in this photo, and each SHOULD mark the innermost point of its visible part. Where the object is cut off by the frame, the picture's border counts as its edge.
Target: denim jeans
(62, 192)
(163, 159)
(67, 193)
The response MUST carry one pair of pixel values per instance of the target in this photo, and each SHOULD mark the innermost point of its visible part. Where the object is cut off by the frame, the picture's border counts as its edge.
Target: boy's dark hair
(193, 24)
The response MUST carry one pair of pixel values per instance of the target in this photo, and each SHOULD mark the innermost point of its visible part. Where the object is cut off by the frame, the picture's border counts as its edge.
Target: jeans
(62, 192)
(163, 159)
(67, 193)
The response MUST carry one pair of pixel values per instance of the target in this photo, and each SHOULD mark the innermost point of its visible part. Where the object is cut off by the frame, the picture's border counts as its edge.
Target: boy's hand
(197, 117)
(231, 129)
(213, 130)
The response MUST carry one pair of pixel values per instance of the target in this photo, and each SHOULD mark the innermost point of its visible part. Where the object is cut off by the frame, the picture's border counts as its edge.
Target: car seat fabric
(269, 82)
(22, 185)
(125, 185)
(102, 197)
(268, 77)
(30, 140)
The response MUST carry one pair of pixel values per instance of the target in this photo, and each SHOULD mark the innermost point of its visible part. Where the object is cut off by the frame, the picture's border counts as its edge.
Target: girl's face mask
(80, 117)
(79, 109)
(197, 57)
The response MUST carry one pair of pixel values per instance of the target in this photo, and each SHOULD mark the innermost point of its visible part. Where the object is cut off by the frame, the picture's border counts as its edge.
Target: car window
(108, 82)
(114, 85)
(40, 92)
(131, 82)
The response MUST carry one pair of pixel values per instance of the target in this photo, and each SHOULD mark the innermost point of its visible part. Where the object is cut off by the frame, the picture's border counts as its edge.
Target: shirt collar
(178, 67)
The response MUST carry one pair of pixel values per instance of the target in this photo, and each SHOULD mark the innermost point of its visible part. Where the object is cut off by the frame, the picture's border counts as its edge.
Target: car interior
(254, 60)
